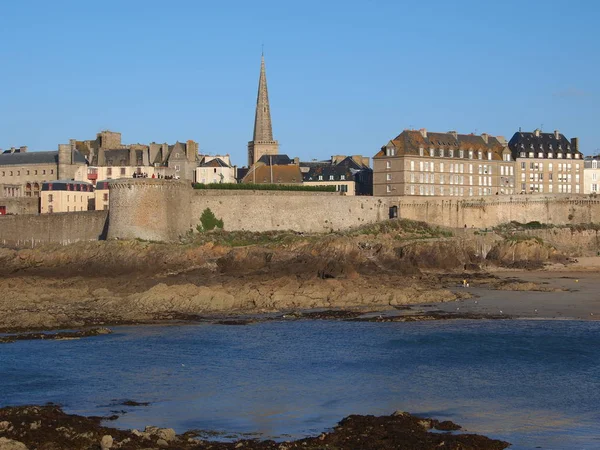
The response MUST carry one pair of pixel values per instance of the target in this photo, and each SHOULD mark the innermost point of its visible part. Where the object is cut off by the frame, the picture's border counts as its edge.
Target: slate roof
(410, 141)
(347, 168)
(545, 143)
(100, 185)
(67, 185)
(22, 159)
(215, 162)
(276, 160)
(118, 157)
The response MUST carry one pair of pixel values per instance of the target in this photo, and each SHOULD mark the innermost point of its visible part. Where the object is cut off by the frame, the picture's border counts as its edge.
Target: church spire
(263, 131)
(262, 142)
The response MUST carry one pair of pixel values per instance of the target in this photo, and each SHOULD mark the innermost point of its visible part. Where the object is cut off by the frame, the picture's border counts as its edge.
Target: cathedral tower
(262, 142)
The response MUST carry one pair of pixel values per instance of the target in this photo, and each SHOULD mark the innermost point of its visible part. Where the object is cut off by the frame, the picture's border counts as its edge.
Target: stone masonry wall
(20, 205)
(61, 228)
(456, 213)
(293, 210)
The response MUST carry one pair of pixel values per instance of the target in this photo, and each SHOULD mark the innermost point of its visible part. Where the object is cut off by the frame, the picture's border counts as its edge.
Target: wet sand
(578, 296)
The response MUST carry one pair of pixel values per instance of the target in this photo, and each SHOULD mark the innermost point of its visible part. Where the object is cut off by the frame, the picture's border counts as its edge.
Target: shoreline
(26, 426)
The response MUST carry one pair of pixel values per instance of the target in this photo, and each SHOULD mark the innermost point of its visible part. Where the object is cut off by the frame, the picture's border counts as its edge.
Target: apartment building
(547, 163)
(591, 175)
(66, 196)
(423, 163)
(215, 169)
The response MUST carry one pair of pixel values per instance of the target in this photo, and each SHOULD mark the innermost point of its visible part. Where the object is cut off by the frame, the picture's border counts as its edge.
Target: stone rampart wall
(61, 228)
(456, 213)
(309, 212)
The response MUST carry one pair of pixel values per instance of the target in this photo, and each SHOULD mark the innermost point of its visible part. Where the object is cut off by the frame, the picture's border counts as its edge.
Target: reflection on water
(529, 382)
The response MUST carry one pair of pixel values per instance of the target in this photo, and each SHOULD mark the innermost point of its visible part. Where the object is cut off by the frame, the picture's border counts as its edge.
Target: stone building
(591, 174)
(547, 163)
(262, 142)
(66, 196)
(216, 169)
(443, 164)
(351, 175)
(111, 159)
(22, 173)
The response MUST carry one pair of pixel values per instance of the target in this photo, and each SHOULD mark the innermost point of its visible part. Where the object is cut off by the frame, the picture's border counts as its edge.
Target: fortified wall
(456, 213)
(163, 210)
(61, 228)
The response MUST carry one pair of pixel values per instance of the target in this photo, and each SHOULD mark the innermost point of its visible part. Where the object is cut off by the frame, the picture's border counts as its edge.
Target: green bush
(208, 221)
(264, 187)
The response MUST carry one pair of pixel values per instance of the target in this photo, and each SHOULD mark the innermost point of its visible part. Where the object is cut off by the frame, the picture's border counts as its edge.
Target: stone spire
(263, 131)
(262, 140)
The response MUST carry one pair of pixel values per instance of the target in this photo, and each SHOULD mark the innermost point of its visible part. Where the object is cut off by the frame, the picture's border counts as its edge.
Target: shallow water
(532, 383)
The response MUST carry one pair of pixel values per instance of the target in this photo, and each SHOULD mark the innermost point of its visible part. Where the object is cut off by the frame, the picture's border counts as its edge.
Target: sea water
(532, 383)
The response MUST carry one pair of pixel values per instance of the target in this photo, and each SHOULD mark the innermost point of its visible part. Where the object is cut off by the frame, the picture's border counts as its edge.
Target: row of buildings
(414, 163)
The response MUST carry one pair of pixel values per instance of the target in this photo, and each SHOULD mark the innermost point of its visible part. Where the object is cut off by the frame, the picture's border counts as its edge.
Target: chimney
(73, 144)
(12, 150)
(575, 144)
(423, 132)
(453, 133)
(23, 149)
(485, 137)
(556, 134)
(536, 132)
(296, 161)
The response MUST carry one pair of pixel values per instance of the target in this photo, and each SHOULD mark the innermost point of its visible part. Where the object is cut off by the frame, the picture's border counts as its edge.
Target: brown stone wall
(150, 209)
(21, 205)
(62, 228)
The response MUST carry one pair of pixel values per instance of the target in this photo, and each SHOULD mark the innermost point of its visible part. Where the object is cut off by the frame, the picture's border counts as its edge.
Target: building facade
(22, 173)
(591, 175)
(66, 196)
(110, 159)
(547, 163)
(351, 175)
(216, 169)
(443, 164)
(262, 142)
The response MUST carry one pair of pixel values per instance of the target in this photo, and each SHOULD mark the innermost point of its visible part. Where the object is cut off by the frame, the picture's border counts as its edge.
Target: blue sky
(344, 76)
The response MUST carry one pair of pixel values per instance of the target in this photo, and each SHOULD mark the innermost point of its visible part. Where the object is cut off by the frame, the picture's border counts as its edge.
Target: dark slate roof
(67, 185)
(410, 141)
(102, 184)
(216, 162)
(118, 157)
(347, 167)
(545, 143)
(21, 159)
(276, 160)
(241, 173)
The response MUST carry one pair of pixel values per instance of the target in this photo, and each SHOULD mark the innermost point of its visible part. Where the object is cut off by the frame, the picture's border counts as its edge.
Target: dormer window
(470, 154)
(540, 154)
(576, 155)
(461, 153)
(550, 147)
(531, 154)
(480, 155)
(451, 153)
(421, 152)
(489, 156)
(594, 164)
(559, 155)
(522, 154)
(442, 152)
(331, 178)
(390, 151)
(431, 152)
(568, 156)
(550, 155)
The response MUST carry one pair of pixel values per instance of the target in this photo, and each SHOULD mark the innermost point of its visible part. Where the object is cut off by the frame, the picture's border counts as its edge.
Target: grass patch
(402, 229)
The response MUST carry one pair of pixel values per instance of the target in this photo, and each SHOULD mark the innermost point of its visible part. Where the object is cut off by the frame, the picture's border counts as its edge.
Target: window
(109, 171)
(442, 152)
(470, 154)
(576, 155)
(388, 189)
(594, 188)
(388, 165)
(320, 177)
(177, 168)
(594, 164)
(389, 177)
(331, 178)
(412, 165)
(451, 152)
(550, 155)
(122, 170)
(50, 198)
(44, 172)
(420, 152)
(412, 190)
(540, 155)
(105, 197)
(342, 177)
(68, 208)
(461, 154)
(34, 172)
(489, 156)
(569, 156)
(431, 152)
(559, 155)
